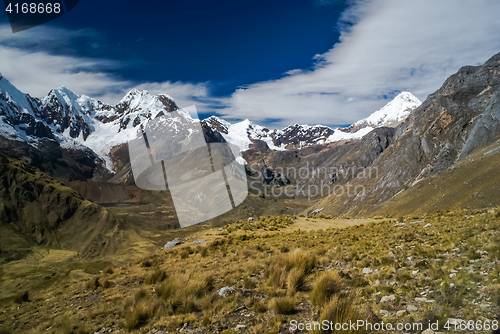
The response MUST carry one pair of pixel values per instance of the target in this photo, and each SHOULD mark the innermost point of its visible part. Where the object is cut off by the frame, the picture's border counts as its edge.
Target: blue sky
(228, 43)
(274, 62)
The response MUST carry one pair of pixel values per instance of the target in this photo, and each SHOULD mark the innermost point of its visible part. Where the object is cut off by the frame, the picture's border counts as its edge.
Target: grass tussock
(204, 252)
(93, 284)
(259, 306)
(147, 263)
(290, 270)
(249, 283)
(140, 294)
(109, 270)
(157, 276)
(108, 284)
(295, 280)
(403, 276)
(22, 297)
(283, 305)
(343, 310)
(137, 315)
(258, 329)
(185, 293)
(327, 285)
(184, 254)
(495, 298)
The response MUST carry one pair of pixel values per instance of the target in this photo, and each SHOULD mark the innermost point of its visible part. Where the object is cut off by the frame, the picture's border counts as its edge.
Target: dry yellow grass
(318, 272)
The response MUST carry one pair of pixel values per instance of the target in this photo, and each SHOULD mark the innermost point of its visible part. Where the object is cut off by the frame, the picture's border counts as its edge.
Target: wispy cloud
(52, 40)
(38, 72)
(385, 47)
(41, 59)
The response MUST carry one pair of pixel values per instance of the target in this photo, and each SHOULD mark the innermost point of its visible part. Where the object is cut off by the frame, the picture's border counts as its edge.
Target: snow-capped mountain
(81, 122)
(18, 112)
(246, 132)
(78, 121)
(63, 110)
(243, 133)
(114, 125)
(392, 113)
(298, 136)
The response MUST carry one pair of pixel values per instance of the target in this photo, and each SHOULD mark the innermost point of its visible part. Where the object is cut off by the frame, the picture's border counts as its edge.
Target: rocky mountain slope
(460, 118)
(42, 211)
(312, 171)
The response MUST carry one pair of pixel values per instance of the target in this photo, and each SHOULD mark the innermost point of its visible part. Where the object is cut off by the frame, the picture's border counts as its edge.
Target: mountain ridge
(81, 122)
(297, 136)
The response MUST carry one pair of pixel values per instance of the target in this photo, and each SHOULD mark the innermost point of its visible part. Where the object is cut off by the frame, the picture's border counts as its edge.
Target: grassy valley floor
(257, 276)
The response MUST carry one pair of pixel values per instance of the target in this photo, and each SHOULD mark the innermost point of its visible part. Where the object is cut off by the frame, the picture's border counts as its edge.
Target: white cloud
(44, 37)
(36, 73)
(32, 67)
(389, 46)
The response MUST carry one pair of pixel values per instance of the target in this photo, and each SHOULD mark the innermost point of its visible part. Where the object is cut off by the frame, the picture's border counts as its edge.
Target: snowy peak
(217, 124)
(64, 94)
(13, 101)
(67, 102)
(297, 136)
(18, 111)
(393, 112)
(239, 134)
(62, 109)
(133, 94)
(243, 133)
(257, 132)
(140, 100)
(136, 107)
(77, 121)
(305, 135)
(134, 97)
